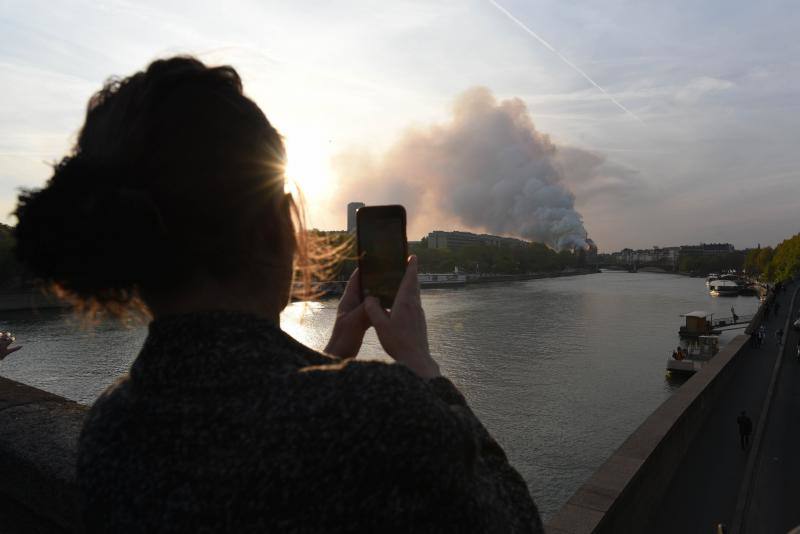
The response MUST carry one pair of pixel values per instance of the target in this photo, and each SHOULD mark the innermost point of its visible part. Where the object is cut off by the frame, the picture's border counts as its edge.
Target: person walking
(745, 429)
(779, 337)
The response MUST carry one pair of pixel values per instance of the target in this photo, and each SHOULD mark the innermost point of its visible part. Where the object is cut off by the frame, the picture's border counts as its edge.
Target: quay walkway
(771, 503)
(707, 488)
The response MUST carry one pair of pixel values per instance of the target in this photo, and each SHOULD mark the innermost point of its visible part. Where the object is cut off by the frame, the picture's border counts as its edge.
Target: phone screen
(382, 251)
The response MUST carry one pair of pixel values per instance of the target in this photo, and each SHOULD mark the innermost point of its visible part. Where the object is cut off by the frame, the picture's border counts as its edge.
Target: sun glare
(308, 167)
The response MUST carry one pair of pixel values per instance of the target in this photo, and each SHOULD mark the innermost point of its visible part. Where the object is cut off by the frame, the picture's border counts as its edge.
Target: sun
(308, 166)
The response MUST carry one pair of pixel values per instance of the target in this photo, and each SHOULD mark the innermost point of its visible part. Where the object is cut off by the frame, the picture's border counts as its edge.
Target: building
(707, 249)
(455, 240)
(352, 208)
(669, 255)
(660, 255)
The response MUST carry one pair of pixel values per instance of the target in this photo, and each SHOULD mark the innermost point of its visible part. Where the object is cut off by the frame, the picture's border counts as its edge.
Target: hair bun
(87, 234)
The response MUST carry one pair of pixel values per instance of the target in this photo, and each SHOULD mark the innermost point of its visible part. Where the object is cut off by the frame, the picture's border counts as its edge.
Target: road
(706, 486)
(775, 493)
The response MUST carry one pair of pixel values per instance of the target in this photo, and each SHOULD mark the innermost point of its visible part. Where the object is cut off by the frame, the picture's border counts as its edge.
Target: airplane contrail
(569, 63)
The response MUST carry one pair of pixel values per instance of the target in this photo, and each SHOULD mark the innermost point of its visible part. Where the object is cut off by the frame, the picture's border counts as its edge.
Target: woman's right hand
(402, 331)
(6, 339)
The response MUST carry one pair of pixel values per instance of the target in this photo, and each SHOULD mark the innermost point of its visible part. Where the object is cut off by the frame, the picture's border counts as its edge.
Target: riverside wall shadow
(38, 447)
(31, 299)
(622, 493)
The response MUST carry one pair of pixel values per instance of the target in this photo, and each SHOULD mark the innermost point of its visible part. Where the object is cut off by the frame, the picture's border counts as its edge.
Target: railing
(735, 320)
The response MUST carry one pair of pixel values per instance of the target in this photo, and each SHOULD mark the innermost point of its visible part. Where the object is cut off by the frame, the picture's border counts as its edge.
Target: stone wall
(38, 443)
(621, 494)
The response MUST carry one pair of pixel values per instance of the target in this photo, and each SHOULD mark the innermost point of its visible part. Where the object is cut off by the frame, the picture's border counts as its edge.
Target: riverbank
(489, 278)
(335, 288)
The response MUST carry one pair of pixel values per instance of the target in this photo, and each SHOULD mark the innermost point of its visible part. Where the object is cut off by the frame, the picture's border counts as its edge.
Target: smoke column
(486, 169)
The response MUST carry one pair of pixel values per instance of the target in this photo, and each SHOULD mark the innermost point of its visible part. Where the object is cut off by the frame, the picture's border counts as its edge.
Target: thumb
(377, 315)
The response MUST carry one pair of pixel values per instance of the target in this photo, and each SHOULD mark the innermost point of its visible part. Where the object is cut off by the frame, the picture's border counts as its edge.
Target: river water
(560, 370)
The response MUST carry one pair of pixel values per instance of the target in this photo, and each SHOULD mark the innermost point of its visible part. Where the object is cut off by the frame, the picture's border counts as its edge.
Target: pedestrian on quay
(779, 336)
(745, 429)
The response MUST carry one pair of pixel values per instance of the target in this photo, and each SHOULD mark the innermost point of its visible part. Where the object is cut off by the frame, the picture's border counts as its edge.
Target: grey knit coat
(227, 424)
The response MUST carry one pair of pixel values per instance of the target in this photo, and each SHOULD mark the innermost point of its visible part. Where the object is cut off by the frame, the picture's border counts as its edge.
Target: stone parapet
(621, 495)
(38, 447)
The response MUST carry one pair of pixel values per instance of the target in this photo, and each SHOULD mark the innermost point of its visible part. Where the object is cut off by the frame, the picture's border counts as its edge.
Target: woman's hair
(175, 173)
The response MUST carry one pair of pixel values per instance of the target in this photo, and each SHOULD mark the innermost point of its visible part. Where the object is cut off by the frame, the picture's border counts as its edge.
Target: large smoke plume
(486, 169)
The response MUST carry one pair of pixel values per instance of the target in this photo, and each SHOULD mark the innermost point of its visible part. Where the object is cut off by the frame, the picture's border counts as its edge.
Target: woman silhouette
(172, 203)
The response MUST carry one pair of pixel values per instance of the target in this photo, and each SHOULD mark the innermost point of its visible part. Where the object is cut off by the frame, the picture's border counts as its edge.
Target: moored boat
(692, 356)
(724, 288)
(433, 280)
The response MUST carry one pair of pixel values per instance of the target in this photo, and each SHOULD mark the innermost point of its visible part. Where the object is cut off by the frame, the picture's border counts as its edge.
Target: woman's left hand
(6, 339)
(351, 322)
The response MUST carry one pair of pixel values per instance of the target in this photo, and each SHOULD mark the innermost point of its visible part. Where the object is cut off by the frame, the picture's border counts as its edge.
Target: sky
(673, 122)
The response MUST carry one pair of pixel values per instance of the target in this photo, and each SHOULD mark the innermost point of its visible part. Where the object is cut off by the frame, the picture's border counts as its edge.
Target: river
(560, 370)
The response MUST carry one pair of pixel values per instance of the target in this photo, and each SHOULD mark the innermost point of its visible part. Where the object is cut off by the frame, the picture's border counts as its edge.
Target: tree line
(713, 263)
(775, 265)
(522, 259)
(527, 258)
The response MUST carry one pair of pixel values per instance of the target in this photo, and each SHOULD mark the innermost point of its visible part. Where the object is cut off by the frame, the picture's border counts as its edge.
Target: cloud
(699, 88)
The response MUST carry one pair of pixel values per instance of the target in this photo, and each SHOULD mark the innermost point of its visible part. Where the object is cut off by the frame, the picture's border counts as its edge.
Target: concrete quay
(38, 447)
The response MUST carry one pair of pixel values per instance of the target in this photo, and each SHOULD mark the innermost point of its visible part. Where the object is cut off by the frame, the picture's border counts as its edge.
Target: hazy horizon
(657, 124)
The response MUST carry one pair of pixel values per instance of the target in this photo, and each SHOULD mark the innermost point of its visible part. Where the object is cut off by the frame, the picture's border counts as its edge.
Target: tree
(784, 263)
(528, 258)
(763, 259)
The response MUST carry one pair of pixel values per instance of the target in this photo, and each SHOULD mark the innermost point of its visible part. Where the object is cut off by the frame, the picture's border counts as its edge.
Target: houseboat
(724, 288)
(433, 280)
(698, 343)
(692, 355)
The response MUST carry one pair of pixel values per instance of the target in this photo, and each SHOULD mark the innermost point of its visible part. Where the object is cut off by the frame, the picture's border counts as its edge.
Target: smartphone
(382, 251)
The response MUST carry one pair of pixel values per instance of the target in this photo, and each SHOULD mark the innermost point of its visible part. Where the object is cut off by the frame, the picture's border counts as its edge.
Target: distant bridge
(635, 266)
